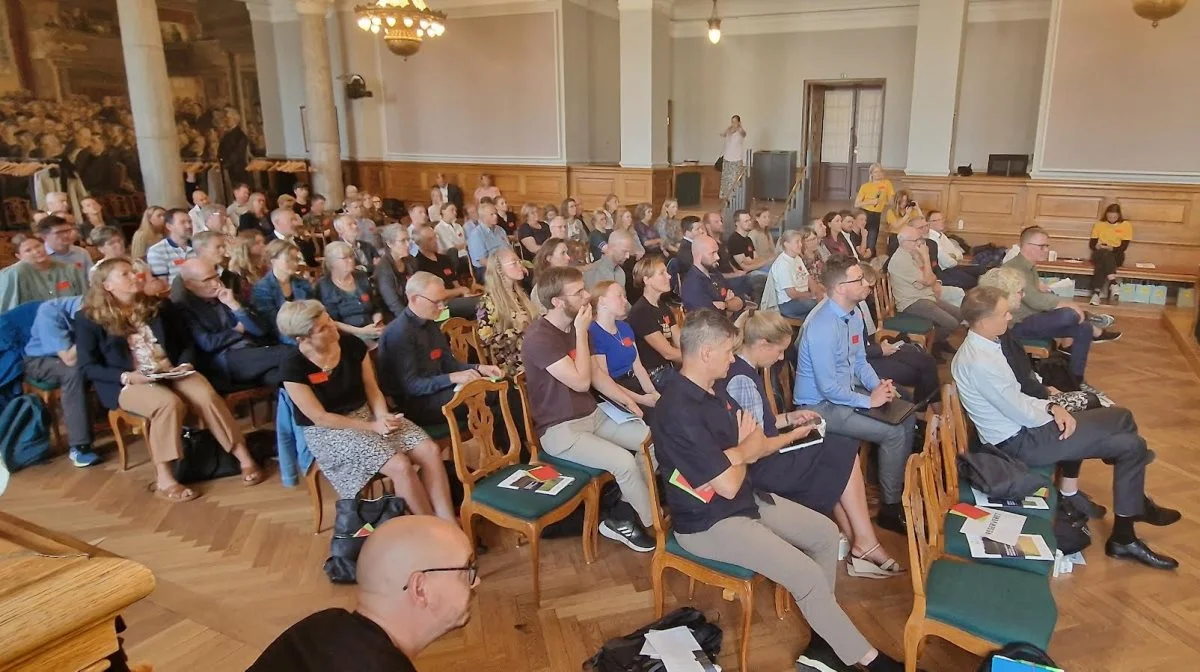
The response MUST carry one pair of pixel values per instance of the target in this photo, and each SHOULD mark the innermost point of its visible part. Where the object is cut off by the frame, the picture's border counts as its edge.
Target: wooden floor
(237, 566)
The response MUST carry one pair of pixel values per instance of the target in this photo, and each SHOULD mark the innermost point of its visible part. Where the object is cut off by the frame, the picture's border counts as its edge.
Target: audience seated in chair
(704, 286)
(346, 421)
(281, 284)
(1041, 433)
(736, 277)
(415, 578)
(347, 294)
(705, 444)
(235, 349)
(51, 356)
(558, 366)
(256, 217)
(691, 228)
(834, 379)
(608, 266)
(212, 248)
(123, 337)
(905, 364)
(366, 255)
(917, 291)
(60, 236)
(790, 289)
(451, 238)
(485, 239)
(950, 268)
(504, 312)
(419, 371)
(37, 277)
(742, 248)
(287, 226)
(109, 240)
(459, 299)
(655, 329)
(248, 261)
(395, 266)
(167, 255)
(1045, 315)
(614, 351)
(556, 253)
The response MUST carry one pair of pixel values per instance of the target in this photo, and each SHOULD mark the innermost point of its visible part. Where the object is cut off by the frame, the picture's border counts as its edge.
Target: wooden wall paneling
(663, 187)
(710, 183)
(929, 193)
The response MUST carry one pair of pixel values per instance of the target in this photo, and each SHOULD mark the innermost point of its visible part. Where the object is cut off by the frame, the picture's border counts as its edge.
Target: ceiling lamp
(714, 25)
(1157, 10)
(404, 23)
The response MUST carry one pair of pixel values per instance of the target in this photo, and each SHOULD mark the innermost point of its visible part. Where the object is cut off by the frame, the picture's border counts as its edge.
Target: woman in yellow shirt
(1110, 238)
(873, 197)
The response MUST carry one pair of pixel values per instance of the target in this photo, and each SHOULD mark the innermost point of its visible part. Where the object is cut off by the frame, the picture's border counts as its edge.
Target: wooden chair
(378, 486)
(463, 339)
(51, 396)
(668, 554)
(526, 512)
(892, 325)
(119, 417)
(250, 397)
(947, 599)
(598, 478)
(777, 383)
(1038, 348)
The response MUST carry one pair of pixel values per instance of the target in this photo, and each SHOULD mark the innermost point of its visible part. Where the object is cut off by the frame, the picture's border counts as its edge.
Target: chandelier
(1157, 10)
(714, 25)
(404, 23)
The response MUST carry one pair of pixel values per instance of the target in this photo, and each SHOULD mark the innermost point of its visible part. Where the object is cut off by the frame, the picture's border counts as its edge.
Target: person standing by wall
(734, 157)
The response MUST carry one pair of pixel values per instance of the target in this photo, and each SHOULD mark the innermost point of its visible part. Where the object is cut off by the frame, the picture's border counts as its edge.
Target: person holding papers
(706, 444)
(824, 477)
(558, 369)
(614, 350)
(1041, 433)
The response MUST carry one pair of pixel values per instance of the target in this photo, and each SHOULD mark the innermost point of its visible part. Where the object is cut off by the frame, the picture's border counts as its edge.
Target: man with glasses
(417, 368)
(415, 575)
(1045, 315)
(236, 349)
(834, 379)
(485, 238)
(950, 269)
(59, 236)
(917, 290)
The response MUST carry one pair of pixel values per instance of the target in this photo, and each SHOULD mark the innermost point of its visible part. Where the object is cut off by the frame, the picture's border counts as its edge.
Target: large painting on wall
(64, 99)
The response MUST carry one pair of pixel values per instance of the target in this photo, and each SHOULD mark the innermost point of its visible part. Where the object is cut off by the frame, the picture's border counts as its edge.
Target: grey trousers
(944, 315)
(598, 442)
(73, 388)
(895, 443)
(796, 548)
(1106, 433)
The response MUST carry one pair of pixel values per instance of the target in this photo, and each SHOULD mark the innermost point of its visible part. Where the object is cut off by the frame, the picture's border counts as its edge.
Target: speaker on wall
(771, 174)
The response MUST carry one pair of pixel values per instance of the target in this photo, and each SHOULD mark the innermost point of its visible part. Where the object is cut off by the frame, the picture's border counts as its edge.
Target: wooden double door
(844, 136)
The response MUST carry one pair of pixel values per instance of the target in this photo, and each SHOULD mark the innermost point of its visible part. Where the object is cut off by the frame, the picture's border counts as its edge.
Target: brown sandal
(175, 493)
(253, 476)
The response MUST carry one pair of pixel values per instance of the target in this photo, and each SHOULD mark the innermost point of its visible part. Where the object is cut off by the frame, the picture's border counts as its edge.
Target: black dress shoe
(1159, 516)
(627, 532)
(892, 519)
(1138, 550)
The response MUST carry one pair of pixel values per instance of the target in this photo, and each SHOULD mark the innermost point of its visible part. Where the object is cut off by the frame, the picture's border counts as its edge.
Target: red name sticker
(571, 354)
(366, 298)
(750, 250)
(179, 262)
(627, 342)
(447, 271)
(318, 378)
(436, 353)
(725, 293)
(854, 339)
(63, 285)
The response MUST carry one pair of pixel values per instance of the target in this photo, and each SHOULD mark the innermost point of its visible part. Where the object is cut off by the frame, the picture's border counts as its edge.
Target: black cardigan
(103, 357)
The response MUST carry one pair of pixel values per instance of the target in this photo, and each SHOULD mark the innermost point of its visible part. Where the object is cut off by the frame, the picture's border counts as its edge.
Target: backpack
(24, 432)
(987, 256)
(623, 654)
(1022, 651)
(1071, 529)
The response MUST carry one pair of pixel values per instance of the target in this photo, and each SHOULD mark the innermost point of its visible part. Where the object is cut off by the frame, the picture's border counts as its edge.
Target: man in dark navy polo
(704, 443)
(704, 286)
(416, 367)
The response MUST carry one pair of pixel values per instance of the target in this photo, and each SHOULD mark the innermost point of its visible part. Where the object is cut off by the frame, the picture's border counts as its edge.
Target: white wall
(1001, 83)
(592, 82)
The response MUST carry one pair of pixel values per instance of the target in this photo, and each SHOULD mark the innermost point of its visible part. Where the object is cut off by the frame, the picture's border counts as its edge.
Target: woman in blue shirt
(614, 348)
(281, 284)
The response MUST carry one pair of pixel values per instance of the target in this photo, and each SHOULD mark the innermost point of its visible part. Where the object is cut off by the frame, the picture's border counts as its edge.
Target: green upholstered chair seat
(525, 504)
(1045, 343)
(674, 548)
(43, 385)
(957, 546)
(908, 324)
(1016, 607)
(547, 458)
(965, 495)
(1046, 470)
(436, 432)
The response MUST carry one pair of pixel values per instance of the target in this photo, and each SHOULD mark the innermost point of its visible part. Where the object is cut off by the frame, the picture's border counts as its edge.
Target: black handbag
(203, 458)
(354, 520)
(624, 654)
(999, 474)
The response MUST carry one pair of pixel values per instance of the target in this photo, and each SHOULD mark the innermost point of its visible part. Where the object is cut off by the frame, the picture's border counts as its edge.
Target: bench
(1183, 274)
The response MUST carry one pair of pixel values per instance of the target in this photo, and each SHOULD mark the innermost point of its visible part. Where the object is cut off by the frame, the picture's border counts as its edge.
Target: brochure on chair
(542, 479)
(1028, 547)
(982, 499)
(817, 435)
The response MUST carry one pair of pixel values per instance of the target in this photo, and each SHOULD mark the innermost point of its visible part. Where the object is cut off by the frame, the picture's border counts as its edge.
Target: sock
(1123, 530)
(884, 663)
(1072, 493)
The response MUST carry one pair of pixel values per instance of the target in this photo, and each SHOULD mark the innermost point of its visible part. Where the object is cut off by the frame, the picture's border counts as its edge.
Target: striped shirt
(166, 256)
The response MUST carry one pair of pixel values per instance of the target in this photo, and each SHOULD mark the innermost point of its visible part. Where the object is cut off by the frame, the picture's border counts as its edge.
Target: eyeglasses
(1040, 245)
(471, 568)
(211, 278)
(855, 281)
(439, 304)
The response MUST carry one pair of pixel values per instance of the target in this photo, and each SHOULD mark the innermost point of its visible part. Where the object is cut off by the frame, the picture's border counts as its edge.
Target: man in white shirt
(916, 289)
(950, 269)
(1039, 433)
(199, 203)
(451, 193)
(241, 202)
(452, 240)
(787, 287)
(166, 256)
(734, 155)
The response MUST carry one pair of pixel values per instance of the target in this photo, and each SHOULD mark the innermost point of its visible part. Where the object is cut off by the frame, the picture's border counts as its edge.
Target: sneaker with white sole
(1095, 299)
(819, 657)
(84, 456)
(627, 532)
(1107, 335)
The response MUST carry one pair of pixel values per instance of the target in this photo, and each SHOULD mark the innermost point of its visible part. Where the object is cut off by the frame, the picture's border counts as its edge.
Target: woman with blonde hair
(654, 325)
(247, 252)
(347, 294)
(152, 229)
(668, 226)
(900, 211)
(614, 349)
(504, 310)
(625, 222)
(137, 352)
(873, 197)
(533, 232)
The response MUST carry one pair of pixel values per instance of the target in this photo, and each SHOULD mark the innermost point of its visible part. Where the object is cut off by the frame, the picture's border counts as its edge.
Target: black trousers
(964, 276)
(1106, 262)
(911, 367)
(1106, 433)
(255, 366)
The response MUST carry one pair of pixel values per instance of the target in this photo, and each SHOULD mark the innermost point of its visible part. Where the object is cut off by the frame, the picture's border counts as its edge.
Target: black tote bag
(354, 521)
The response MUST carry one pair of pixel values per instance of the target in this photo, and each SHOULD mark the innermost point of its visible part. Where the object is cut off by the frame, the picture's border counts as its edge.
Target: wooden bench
(1183, 274)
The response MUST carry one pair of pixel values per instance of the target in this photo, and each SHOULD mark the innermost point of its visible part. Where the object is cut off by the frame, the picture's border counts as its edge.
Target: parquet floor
(237, 566)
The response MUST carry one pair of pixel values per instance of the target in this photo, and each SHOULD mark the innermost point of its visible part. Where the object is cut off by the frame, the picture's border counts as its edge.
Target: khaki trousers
(166, 404)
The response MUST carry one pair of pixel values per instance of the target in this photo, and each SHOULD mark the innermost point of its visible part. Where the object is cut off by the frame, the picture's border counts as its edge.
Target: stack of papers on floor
(678, 650)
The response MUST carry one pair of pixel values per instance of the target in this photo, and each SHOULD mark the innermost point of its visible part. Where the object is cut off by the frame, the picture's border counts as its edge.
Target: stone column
(941, 29)
(645, 52)
(324, 145)
(151, 102)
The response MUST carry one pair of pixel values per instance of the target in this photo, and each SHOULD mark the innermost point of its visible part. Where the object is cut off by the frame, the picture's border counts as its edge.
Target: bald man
(235, 349)
(704, 286)
(415, 578)
(609, 265)
(916, 289)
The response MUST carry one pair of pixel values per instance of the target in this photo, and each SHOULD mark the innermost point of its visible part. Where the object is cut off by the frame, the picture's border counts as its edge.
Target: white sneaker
(843, 547)
(1095, 299)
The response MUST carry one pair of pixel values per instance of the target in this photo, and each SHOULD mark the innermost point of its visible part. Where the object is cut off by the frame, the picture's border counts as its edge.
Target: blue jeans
(1060, 323)
(797, 309)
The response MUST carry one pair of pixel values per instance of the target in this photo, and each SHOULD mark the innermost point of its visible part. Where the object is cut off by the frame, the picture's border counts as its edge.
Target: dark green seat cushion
(908, 324)
(957, 546)
(965, 495)
(43, 385)
(674, 548)
(525, 504)
(436, 432)
(1015, 607)
(1046, 343)
(1046, 470)
(547, 458)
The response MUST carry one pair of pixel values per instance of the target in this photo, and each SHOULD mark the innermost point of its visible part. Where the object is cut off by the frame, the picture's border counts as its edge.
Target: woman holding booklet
(821, 471)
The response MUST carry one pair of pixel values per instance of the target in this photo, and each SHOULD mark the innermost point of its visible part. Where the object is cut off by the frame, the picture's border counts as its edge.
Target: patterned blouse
(148, 356)
(503, 347)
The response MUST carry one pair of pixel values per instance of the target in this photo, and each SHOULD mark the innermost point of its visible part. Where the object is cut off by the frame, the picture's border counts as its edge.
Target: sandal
(252, 476)
(175, 493)
(859, 566)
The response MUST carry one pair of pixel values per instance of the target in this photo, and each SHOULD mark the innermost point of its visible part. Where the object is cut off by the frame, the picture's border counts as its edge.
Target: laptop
(896, 411)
